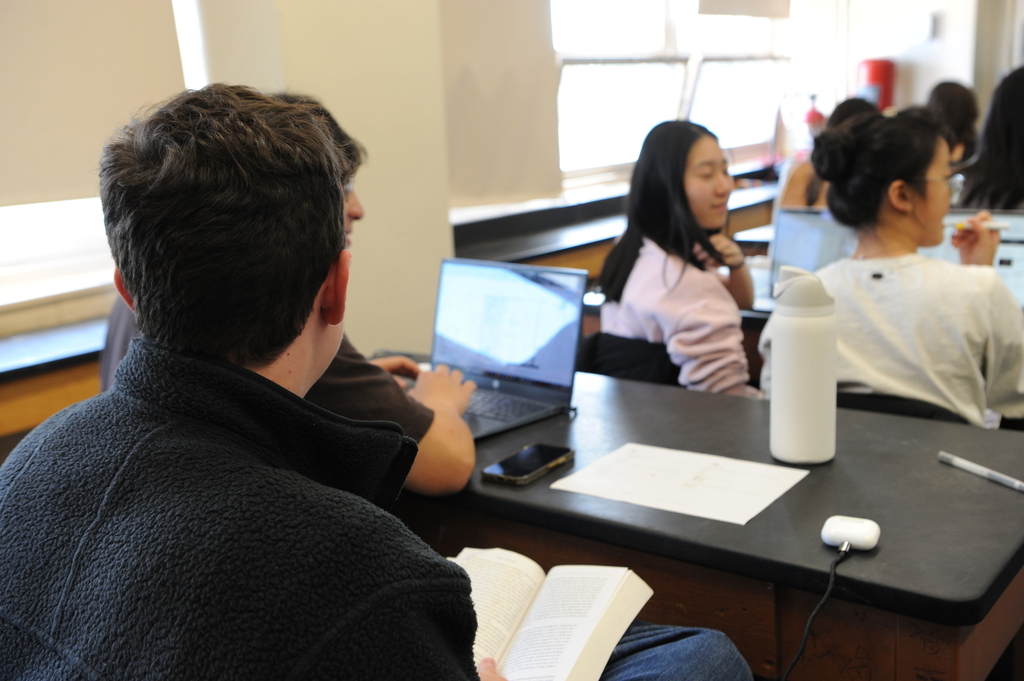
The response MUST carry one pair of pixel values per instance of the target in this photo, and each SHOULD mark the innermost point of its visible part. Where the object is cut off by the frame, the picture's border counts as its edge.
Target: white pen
(961, 223)
(978, 469)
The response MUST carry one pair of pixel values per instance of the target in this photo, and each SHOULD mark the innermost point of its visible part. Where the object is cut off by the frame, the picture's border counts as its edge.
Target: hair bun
(833, 154)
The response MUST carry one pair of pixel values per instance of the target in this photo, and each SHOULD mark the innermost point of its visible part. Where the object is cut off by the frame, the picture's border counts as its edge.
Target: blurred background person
(995, 179)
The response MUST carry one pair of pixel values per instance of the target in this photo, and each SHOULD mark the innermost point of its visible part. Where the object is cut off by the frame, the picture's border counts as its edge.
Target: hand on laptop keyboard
(441, 387)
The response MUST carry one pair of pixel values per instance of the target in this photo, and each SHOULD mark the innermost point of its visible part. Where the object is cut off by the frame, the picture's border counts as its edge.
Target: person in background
(910, 326)
(661, 281)
(803, 188)
(957, 108)
(995, 179)
(430, 412)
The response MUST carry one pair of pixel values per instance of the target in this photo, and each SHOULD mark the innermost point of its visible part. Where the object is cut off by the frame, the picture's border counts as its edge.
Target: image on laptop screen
(809, 239)
(509, 321)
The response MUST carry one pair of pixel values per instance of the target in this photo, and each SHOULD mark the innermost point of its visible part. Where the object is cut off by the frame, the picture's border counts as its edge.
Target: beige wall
(997, 31)
(500, 82)
(377, 67)
(883, 29)
(242, 43)
(72, 72)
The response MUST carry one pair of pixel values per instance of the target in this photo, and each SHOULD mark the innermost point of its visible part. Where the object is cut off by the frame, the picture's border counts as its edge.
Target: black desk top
(950, 544)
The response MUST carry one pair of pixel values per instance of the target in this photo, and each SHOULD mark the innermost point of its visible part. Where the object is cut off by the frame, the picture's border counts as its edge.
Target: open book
(562, 627)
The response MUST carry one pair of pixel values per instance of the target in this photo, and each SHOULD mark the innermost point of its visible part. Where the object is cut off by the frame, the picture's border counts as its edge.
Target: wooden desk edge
(764, 620)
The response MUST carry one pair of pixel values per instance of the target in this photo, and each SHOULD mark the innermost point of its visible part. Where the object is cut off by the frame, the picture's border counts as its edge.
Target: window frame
(741, 159)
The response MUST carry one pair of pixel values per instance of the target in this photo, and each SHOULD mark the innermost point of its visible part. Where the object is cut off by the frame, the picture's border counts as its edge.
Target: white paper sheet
(702, 485)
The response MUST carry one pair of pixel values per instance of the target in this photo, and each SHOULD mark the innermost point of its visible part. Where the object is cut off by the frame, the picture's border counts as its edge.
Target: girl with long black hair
(661, 280)
(996, 178)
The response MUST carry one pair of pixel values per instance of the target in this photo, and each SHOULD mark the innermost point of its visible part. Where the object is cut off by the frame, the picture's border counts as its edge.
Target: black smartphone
(528, 464)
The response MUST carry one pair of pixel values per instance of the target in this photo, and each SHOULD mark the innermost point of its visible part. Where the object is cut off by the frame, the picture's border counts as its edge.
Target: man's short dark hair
(224, 212)
(352, 150)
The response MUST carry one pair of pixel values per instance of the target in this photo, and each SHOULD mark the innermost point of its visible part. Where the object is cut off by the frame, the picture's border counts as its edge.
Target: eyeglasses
(350, 184)
(955, 183)
(956, 187)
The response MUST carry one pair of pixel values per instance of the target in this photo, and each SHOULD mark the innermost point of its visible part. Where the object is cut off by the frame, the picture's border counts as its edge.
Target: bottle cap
(800, 293)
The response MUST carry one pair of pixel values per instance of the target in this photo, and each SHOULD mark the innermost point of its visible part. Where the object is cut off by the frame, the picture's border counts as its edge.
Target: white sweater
(925, 329)
(690, 311)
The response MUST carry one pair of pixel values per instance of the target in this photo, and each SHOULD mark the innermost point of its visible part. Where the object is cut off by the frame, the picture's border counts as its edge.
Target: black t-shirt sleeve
(356, 389)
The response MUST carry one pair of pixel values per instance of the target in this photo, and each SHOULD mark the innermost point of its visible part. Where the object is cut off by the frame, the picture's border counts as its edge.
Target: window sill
(40, 351)
(56, 269)
(69, 307)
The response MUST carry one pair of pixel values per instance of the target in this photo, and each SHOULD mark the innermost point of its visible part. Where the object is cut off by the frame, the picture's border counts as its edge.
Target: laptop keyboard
(494, 405)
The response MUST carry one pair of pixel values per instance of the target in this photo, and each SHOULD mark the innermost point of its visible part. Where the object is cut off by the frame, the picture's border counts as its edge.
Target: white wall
(242, 43)
(900, 31)
(377, 67)
(501, 84)
(73, 72)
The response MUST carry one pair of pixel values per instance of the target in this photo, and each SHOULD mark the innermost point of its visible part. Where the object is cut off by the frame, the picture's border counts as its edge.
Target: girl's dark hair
(996, 178)
(929, 116)
(657, 207)
(957, 107)
(863, 156)
(848, 108)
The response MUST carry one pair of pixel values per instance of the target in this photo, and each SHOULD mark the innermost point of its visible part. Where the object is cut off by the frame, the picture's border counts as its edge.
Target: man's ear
(336, 289)
(119, 285)
(901, 196)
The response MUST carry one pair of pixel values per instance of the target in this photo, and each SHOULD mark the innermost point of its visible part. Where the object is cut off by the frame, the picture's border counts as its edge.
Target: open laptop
(810, 239)
(513, 329)
(1009, 260)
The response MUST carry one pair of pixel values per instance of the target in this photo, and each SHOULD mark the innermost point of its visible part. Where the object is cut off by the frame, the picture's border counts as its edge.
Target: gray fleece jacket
(200, 522)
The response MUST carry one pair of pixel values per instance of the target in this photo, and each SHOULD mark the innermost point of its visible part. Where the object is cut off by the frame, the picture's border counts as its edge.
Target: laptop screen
(809, 239)
(1009, 260)
(509, 321)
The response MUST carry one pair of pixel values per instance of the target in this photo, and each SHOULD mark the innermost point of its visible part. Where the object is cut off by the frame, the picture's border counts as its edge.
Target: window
(630, 64)
(55, 267)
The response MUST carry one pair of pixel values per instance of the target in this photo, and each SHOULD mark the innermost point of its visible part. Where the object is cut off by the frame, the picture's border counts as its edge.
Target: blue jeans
(654, 652)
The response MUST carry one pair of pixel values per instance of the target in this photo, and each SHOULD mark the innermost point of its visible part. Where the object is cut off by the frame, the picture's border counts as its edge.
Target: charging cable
(844, 551)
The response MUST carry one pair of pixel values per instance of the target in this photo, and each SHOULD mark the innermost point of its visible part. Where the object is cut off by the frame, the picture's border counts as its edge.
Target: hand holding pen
(976, 239)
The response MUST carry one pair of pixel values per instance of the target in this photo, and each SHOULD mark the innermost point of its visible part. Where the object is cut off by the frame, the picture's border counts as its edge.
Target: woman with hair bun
(910, 326)
(669, 314)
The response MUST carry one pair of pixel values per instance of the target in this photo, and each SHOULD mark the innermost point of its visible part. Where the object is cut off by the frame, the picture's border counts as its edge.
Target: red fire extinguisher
(875, 79)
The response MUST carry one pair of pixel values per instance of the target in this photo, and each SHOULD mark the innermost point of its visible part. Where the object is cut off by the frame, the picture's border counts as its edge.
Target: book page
(504, 584)
(562, 620)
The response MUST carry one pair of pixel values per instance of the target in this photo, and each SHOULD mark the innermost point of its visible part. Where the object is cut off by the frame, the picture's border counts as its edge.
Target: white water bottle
(802, 422)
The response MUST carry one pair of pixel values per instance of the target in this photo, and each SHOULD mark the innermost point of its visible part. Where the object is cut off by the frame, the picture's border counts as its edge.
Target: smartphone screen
(528, 463)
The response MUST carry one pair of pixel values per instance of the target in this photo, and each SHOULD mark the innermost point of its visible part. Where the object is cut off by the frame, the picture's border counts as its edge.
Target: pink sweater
(690, 311)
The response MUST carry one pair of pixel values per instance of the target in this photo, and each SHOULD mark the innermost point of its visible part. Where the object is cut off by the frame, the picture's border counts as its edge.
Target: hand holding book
(564, 626)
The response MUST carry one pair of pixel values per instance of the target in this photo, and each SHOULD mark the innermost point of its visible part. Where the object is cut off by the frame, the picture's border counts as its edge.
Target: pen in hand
(982, 471)
(960, 223)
